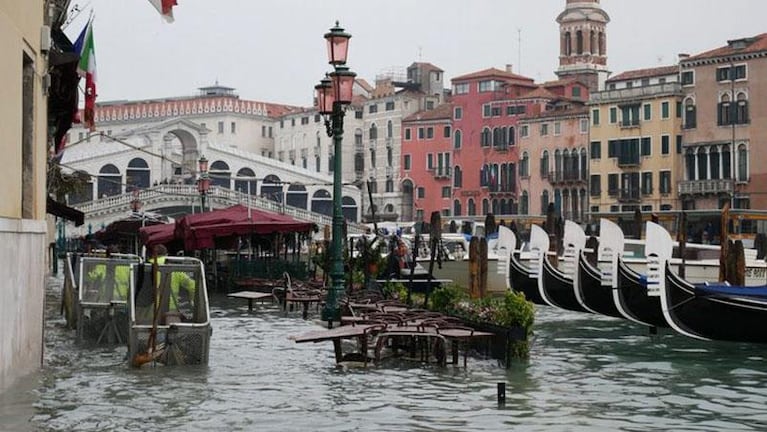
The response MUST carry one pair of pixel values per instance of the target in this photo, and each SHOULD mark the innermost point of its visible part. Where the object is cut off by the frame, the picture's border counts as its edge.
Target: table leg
(337, 349)
(250, 305)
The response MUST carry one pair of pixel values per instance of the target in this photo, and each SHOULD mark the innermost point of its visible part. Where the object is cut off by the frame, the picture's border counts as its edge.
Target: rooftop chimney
(509, 68)
(683, 56)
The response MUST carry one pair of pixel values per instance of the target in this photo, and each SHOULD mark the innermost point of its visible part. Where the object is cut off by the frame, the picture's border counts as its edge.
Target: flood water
(585, 373)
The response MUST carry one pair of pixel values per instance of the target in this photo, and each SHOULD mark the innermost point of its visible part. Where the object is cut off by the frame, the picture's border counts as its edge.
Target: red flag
(87, 68)
(165, 7)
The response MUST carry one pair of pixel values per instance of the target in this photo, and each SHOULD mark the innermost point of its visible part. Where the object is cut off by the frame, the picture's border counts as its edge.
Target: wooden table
(250, 296)
(304, 301)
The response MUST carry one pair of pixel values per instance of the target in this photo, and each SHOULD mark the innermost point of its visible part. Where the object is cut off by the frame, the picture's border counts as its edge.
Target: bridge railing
(164, 193)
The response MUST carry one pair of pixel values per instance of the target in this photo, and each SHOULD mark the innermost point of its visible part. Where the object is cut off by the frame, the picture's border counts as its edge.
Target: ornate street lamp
(203, 183)
(135, 203)
(333, 93)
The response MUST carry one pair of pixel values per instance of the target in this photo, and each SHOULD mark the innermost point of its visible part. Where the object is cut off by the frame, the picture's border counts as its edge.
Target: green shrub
(446, 298)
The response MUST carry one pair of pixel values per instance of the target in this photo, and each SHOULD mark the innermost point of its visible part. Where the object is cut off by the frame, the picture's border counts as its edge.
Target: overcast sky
(273, 50)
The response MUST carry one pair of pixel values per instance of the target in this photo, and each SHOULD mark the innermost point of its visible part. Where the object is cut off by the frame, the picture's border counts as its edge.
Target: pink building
(427, 162)
(485, 115)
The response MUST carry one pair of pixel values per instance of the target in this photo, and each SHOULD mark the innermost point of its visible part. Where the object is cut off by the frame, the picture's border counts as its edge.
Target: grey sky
(273, 51)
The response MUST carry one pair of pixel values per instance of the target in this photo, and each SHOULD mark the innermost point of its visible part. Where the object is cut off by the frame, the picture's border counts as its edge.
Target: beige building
(724, 132)
(636, 142)
(23, 237)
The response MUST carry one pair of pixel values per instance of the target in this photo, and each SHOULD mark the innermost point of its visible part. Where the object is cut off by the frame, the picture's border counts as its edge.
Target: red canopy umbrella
(157, 234)
(200, 230)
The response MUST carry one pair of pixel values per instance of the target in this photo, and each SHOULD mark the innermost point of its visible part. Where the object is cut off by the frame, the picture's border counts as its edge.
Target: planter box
(500, 343)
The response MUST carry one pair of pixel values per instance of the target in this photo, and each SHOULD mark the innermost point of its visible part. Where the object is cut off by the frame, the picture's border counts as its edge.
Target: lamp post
(333, 93)
(203, 183)
(135, 203)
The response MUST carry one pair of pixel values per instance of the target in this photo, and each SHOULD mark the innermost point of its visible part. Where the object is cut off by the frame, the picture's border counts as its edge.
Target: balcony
(556, 177)
(443, 172)
(629, 124)
(629, 161)
(636, 93)
(705, 187)
(629, 195)
(359, 147)
(373, 143)
(389, 172)
(389, 142)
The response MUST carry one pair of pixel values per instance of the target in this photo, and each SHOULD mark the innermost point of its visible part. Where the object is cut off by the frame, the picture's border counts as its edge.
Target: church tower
(583, 43)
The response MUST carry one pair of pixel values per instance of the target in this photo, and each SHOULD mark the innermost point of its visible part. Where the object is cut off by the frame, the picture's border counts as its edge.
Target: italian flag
(87, 68)
(165, 7)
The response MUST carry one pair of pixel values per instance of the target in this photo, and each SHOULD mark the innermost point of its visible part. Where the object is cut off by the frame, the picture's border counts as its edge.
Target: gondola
(595, 297)
(704, 311)
(629, 288)
(522, 278)
(558, 286)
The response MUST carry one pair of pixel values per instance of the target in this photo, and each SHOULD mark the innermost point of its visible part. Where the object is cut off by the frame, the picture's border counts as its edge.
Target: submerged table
(250, 296)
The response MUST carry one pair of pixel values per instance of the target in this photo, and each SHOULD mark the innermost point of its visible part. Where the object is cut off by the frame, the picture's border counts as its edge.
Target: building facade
(23, 143)
(724, 128)
(636, 141)
(427, 166)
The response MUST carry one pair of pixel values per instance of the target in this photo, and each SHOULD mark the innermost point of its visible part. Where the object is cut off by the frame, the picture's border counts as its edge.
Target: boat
(525, 278)
(558, 285)
(711, 311)
(169, 313)
(594, 296)
(99, 310)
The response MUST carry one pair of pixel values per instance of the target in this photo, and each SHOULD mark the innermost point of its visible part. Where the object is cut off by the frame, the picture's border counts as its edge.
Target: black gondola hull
(559, 288)
(634, 300)
(522, 282)
(595, 296)
(719, 317)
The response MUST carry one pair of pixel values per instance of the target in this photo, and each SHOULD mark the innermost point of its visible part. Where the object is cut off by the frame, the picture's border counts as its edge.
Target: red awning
(199, 231)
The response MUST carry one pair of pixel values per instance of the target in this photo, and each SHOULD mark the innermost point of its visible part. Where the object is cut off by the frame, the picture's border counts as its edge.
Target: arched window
(485, 206)
(741, 112)
(524, 203)
(486, 138)
(220, 175)
(724, 111)
(545, 164)
(472, 207)
(373, 132)
(297, 196)
(579, 41)
(584, 165)
(457, 136)
(742, 163)
(357, 139)
(726, 162)
(594, 48)
(713, 159)
(349, 208)
(109, 182)
(544, 202)
(524, 165)
(137, 175)
(246, 181)
(456, 208)
(457, 177)
(389, 129)
(568, 44)
(322, 202)
(512, 135)
(557, 166)
(690, 116)
(271, 188)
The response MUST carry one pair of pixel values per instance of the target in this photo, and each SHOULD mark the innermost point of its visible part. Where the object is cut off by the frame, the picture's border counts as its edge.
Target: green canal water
(585, 373)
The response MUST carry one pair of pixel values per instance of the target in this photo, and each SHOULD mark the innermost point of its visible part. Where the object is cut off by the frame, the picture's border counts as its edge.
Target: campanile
(583, 43)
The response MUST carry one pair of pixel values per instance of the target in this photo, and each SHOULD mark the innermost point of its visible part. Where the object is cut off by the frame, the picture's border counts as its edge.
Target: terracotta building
(724, 131)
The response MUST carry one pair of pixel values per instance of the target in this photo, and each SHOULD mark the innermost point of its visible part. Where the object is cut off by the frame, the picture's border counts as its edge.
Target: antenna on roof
(519, 51)
(420, 53)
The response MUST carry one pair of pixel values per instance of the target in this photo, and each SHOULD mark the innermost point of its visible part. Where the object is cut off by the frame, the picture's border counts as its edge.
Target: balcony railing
(625, 161)
(629, 124)
(373, 143)
(629, 195)
(389, 171)
(566, 177)
(703, 187)
(637, 92)
(389, 142)
(443, 172)
(359, 147)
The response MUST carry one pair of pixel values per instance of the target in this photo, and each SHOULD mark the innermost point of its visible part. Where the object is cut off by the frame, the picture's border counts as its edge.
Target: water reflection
(585, 373)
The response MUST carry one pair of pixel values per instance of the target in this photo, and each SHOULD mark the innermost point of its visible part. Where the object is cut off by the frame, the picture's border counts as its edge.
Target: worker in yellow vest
(121, 276)
(178, 280)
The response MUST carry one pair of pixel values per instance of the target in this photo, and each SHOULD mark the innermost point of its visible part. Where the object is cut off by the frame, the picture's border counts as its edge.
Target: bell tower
(583, 43)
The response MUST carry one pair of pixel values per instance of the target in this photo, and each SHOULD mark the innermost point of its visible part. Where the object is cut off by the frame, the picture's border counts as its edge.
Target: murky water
(585, 373)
